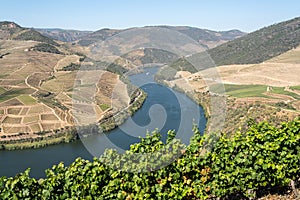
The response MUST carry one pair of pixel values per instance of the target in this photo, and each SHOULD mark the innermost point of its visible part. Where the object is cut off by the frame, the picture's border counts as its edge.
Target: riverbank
(113, 120)
(39, 142)
(70, 134)
(202, 99)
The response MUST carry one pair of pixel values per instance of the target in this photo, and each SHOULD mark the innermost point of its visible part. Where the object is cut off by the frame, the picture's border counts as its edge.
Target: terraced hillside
(21, 110)
(265, 91)
(38, 97)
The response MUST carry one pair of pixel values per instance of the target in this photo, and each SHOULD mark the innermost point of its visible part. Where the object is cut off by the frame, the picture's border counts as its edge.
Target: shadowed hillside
(11, 30)
(260, 45)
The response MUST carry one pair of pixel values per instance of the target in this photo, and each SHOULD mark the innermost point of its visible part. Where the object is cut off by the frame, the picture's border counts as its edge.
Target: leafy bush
(71, 67)
(44, 47)
(284, 105)
(263, 157)
(116, 69)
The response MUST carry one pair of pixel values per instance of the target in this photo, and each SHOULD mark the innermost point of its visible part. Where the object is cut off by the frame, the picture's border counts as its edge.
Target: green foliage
(48, 98)
(12, 93)
(265, 156)
(2, 90)
(31, 34)
(104, 106)
(284, 105)
(241, 91)
(152, 55)
(19, 187)
(165, 73)
(112, 121)
(44, 47)
(11, 27)
(116, 69)
(295, 87)
(260, 45)
(158, 56)
(281, 90)
(193, 63)
(183, 64)
(27, 99)
(71, 67)
(86, 42)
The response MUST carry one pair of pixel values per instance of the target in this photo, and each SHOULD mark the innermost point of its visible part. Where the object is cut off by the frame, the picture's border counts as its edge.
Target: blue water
(164, 109)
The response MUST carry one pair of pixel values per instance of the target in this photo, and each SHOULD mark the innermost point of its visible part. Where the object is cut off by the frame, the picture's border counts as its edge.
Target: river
(164, 108)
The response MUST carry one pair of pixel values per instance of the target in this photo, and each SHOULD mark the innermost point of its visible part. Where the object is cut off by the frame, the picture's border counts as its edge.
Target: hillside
(150, 55)
(260, 45)
(265, 91)
(205, 37)
(142, 45)
(37, 88)
(8, 28)
(63, 35)
(11, 30)
(42, 93)
(99, 35)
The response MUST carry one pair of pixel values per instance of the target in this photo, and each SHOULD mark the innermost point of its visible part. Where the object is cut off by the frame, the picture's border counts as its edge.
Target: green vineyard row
(216, 165)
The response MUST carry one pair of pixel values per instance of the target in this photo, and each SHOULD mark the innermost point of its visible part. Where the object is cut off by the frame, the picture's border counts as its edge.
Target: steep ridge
(260, 45)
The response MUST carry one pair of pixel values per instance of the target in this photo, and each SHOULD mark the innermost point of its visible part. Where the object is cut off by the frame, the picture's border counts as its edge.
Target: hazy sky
(246, 15)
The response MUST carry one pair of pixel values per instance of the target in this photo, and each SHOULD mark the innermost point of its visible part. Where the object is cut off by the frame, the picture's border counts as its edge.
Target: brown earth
(51, 91)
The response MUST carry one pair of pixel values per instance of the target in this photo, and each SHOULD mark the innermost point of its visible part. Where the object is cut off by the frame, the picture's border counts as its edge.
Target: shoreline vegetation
(200, 98)
(110, 121)
(70, 133)
(254, 164)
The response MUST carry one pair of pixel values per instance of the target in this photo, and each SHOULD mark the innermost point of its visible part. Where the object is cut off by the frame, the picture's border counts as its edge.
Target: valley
(36, 93)
(174, 112)
(42, 81)
(53, 81)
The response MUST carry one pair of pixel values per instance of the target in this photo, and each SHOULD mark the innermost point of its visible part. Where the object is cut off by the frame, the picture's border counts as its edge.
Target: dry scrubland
(265, 91)
(36, 96)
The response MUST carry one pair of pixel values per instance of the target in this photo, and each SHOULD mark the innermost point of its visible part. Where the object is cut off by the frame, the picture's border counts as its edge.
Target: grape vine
(263, 157)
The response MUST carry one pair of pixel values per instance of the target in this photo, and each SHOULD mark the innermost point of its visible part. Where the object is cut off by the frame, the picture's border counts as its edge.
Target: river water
(164, 109)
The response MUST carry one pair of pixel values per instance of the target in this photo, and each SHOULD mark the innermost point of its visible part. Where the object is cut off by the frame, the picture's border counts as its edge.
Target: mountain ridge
(260, 45)
(71, 35)
(64, 35)
(203, 36)
(13, 31)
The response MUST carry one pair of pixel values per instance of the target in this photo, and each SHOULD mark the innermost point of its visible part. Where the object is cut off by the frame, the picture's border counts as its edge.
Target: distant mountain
(7, 29)
(205, 37)
(99, 35)
(13, 31)
(62, 34)
(150, 55)
(260, 45)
